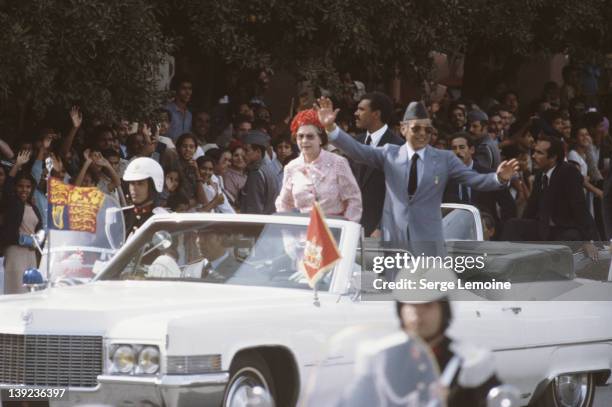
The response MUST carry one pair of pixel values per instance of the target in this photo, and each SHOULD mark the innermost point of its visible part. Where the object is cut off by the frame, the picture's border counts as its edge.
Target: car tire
(247, 371)
(583, 396)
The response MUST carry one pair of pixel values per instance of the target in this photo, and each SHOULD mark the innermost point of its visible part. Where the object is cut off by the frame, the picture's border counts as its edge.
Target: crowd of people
(537, 170)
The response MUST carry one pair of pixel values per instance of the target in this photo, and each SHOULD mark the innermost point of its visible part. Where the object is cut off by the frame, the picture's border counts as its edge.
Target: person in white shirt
(217, 200)
(580, 144)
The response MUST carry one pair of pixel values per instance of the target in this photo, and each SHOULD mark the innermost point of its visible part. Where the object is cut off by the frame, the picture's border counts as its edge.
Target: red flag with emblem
(320, 252)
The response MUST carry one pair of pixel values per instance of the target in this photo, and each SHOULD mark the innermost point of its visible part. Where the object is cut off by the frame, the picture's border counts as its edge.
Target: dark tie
(544, 182)
(413, 178)
(465, 193)
(544, 210)
(368, 140)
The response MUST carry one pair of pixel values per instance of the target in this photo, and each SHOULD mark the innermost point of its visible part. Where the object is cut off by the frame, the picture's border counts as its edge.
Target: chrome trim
(125, 379)
(168, 380)
(193, 364)
(51, 360)
(474, 211)
(601, 341)
(195, 380)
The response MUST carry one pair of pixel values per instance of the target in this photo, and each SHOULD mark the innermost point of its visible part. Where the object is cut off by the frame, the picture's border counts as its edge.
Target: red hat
(303, 118)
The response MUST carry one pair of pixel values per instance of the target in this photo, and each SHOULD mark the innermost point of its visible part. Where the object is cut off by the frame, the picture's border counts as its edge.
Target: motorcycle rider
(467, 372)
(145, 179)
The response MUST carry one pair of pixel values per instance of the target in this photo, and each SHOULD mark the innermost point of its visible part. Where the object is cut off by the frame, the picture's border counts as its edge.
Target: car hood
(99, 308)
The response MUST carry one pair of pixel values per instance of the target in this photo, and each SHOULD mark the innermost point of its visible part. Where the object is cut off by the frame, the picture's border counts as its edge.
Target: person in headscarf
(317, 175)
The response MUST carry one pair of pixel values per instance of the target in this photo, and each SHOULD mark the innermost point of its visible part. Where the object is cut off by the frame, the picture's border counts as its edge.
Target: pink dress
(328, 179)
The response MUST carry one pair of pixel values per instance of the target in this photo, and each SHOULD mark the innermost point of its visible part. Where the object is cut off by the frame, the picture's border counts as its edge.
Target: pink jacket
(328, 179)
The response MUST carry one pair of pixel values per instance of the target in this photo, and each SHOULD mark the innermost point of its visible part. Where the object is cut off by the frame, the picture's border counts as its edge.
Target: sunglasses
(306, 136)
(428, 129)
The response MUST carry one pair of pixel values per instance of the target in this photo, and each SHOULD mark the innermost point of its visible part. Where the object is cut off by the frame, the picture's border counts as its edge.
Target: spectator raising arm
(149, 146)
(103, 163)
(87, 154)
(5, 150)
(22, 158)
(77, 119)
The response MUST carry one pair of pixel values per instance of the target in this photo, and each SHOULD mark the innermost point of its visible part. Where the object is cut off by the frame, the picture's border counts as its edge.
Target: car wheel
(569, 390)
(248, 372)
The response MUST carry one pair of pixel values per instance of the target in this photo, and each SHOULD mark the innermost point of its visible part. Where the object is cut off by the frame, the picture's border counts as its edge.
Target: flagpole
(47, 234)
(315, 298)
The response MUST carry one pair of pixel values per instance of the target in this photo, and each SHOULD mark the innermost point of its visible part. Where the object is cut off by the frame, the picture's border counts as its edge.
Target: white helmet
(142, 168)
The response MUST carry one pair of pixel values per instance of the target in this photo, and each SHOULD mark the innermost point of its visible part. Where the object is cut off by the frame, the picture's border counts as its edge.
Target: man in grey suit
(416, 175)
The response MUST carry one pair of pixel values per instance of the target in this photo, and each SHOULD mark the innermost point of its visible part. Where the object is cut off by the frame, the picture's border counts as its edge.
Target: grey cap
(477, 116)
(415, 111)
(257, 137)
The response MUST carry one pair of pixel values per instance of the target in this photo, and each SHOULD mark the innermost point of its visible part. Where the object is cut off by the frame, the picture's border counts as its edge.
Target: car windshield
(257, 254)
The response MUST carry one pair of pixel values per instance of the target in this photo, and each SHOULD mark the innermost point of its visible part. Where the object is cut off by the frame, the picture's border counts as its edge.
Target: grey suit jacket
(417, 220)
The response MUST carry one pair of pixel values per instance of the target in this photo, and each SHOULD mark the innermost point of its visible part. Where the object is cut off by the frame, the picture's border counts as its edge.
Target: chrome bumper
(169, 390)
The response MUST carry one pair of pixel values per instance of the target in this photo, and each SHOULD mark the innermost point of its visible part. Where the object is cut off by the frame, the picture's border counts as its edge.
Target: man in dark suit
(556, 210)
(372, 115)
(218, 263)
(463, 147)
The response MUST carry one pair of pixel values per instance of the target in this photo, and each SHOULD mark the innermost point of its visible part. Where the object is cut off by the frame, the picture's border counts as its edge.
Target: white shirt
(201, 150)
(549, 173)
(194, 270)
(574, 156)
(167, 141)
(376, 136)
(469, 190)
(215, 263)
(212, 190)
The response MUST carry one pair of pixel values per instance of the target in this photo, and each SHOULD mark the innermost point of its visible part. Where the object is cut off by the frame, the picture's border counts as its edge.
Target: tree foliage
(317, 39)
(96, 53)
(102, 54)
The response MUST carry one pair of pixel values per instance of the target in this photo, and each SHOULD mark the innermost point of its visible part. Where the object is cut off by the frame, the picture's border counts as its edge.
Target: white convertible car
(198, 309)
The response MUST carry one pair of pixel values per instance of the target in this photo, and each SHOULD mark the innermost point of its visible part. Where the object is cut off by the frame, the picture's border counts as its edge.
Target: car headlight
(133, 359)
(123, 359)
(148, 360)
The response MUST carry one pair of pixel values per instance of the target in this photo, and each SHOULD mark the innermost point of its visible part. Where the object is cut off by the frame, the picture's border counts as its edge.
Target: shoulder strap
(451, 370)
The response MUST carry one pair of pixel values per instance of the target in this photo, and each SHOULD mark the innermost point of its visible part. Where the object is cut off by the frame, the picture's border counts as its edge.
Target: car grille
(50, 360)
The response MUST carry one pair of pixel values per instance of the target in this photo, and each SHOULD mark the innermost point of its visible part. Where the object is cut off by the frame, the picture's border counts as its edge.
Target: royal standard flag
(73, 208)
(320, 252)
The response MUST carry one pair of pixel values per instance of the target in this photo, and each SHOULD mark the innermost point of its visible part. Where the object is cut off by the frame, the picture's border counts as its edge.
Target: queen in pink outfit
(318, 175)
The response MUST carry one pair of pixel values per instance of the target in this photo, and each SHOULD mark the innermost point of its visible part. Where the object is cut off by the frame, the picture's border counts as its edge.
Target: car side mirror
(504, 396)
(33, 280)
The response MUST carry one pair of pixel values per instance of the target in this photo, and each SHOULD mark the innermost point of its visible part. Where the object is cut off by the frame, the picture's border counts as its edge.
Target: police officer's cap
(416, 111)
(257, 137)
(477, 116)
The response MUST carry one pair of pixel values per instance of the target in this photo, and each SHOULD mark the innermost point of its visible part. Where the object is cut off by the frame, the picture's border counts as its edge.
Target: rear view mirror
(162, 239)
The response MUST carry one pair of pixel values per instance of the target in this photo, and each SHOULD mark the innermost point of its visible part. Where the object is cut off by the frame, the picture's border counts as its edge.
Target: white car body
(533, 342)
